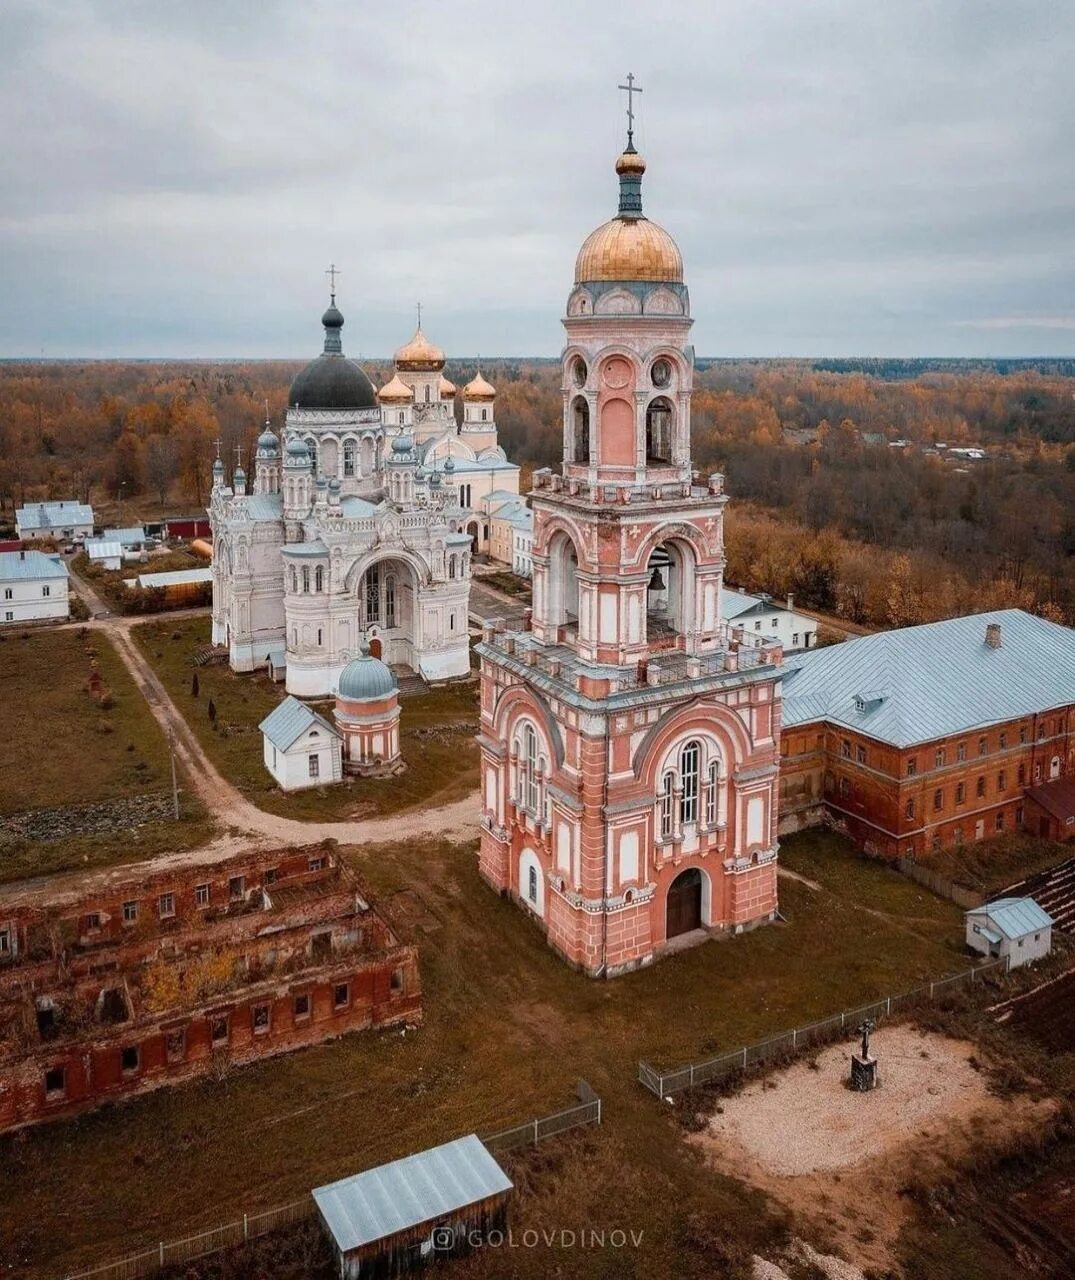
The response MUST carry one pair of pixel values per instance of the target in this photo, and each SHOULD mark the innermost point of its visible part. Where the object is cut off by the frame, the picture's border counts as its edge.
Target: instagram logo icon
(442, 1239)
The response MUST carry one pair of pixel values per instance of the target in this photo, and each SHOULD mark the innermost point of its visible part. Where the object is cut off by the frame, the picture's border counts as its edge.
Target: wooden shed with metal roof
(389, 1220)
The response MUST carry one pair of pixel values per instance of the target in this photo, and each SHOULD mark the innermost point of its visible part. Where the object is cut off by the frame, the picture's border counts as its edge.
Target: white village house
(760, 617)
(104, 553)
(1014, 927)
(66, 521)
(301, 748)
(34, 586)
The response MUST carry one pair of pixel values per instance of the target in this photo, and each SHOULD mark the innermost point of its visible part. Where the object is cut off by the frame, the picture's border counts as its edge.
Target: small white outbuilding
(301, 748)
(1014, 927)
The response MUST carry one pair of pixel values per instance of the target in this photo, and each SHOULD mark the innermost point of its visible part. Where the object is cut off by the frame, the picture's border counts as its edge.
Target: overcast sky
(843, 176)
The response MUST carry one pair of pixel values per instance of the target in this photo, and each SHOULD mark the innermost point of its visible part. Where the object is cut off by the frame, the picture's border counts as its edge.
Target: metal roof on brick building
(421, 1188)
(918, 684)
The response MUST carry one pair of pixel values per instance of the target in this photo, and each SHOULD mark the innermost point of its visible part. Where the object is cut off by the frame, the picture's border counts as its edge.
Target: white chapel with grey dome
(360, 526)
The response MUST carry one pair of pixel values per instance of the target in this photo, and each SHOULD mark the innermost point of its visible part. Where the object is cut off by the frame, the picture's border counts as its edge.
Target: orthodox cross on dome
(218, 442)
(630, 88)
(266, 410)
(418, 308)
(332, 272)
(239, 456)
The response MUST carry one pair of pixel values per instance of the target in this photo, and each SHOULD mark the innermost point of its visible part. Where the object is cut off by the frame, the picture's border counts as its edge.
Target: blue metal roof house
(426, 1207)
(1013, 927)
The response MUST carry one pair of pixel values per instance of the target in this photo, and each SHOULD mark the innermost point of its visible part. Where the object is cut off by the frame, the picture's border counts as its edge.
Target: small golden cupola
(479, 390)
(447, 388)
(395, 391)
(419, 355)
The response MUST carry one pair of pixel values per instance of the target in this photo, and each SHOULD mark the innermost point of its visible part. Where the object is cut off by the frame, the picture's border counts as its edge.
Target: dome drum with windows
(367, 715)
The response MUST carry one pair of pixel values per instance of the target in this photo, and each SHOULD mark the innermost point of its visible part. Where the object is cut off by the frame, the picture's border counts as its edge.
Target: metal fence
(535, 1131)
(964, 895)
(666, 1083)
(170, 1253)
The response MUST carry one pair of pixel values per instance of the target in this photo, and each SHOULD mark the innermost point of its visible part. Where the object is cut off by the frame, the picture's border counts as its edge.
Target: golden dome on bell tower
(629, 247)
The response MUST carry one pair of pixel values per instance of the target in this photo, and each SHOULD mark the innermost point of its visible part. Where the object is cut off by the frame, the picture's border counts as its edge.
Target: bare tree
(162, 464)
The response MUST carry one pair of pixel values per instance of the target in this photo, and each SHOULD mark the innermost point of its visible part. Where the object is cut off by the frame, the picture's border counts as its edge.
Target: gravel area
(802, 1121)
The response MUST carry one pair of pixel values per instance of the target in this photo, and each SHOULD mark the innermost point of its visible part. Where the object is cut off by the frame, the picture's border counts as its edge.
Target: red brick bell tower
(629, 748)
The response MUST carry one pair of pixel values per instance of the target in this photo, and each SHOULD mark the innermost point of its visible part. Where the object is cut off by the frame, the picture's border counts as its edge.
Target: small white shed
(104, 552)
(301, 748)
(1014, 927)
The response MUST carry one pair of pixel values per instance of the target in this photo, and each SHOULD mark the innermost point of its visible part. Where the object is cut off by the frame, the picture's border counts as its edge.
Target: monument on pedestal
(863, 1065)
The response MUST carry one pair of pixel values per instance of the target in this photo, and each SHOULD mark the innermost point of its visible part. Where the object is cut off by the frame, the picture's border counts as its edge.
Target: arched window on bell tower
(660, 419)
(580, 421)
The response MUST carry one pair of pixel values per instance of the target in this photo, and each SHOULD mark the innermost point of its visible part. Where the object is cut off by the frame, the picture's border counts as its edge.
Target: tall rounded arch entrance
(684, 910)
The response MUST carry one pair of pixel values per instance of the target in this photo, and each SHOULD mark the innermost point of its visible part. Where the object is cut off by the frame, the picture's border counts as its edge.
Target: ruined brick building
(144, 976)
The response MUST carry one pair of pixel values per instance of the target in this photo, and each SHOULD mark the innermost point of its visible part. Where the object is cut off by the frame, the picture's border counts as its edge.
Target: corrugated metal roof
(177, 578)
(934, 680)
(24, 566)
(1014, 917)
(355, 508)
(128, 535)
(287, 722)
(421, 1188)
(99, 549)
(62, 515)
(733, 603)
(265, 506)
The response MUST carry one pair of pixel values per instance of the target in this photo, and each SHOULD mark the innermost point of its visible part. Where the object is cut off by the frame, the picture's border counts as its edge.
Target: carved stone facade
(629, 744)
(362, 528)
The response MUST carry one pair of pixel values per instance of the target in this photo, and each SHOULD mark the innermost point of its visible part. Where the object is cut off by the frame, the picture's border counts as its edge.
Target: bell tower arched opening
(669, 594)
(580, 430)
(563, 581)
(660, 422)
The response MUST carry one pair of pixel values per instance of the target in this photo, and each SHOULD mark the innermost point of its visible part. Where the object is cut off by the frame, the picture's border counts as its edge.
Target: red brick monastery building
(925, 737)
(629, 746)
(146, 976)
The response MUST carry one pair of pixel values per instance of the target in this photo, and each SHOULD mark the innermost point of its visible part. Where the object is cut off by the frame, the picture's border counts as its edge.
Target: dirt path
(226, 803)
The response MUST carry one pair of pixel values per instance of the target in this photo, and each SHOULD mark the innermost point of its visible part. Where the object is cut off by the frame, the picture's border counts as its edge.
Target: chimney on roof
(992, 635)
(22, 555)
(791, 602)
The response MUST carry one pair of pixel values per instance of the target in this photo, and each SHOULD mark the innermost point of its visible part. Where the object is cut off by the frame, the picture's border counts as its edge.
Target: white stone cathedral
(364, 528)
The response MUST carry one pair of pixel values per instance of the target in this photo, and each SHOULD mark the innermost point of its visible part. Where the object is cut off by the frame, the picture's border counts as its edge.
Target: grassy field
(508, 1032)
(991, 865)
(64, 746)
(436, 734)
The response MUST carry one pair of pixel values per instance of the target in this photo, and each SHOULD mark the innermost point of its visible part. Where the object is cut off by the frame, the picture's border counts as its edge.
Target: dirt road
(241, 819)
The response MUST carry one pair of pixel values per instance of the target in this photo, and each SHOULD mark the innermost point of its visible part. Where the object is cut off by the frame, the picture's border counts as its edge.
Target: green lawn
(65, 746)
(508, 1032)
(436, 733)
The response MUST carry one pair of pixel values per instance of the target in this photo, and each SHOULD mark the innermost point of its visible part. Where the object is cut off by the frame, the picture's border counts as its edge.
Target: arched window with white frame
(348, 458)
(690, 760)
(319, 579)
(305, 579)
(294, 580)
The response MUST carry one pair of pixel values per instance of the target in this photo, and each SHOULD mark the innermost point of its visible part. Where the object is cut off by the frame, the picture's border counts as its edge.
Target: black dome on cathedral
(332, 381)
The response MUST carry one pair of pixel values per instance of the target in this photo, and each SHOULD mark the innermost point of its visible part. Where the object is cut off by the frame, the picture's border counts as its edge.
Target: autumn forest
(848, 488)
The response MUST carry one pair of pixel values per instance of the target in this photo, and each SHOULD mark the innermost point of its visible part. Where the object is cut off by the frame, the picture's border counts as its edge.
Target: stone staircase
(210, 654)
(410, 683)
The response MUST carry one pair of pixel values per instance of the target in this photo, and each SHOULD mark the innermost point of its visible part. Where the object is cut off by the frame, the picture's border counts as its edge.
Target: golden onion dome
(419, 355)
(629, 247)
(447, 389)
(478, 389)
(395, 391)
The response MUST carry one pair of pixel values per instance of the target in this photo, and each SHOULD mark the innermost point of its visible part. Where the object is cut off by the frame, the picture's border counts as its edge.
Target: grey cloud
(843, 175)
